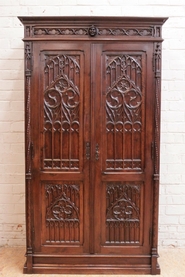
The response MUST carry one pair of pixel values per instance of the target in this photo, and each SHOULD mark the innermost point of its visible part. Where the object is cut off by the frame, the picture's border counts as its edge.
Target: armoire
(92, 130)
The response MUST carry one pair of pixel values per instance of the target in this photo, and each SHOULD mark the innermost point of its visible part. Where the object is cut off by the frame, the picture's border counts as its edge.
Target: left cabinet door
(60, 105)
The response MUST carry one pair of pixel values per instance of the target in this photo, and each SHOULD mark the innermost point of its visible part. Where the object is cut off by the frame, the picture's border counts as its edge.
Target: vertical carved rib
(27, 99)
(157, 104)
(157, 68)
(28, 58)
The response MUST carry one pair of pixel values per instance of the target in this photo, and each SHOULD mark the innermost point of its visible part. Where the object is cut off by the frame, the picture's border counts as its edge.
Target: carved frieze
(93, 31)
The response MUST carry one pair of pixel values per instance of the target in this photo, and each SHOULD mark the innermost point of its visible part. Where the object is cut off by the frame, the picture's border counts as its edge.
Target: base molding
(86, 265)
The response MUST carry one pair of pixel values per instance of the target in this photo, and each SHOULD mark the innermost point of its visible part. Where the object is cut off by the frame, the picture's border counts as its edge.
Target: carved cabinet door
(122, 140)
(60, 105)
(92, 138)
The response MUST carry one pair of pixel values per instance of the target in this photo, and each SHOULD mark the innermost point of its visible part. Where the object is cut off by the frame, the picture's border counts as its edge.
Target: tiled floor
(172, 262)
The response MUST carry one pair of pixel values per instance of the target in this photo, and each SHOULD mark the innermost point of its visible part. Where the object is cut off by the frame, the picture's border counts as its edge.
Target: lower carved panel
(123, 212)
(62, 213)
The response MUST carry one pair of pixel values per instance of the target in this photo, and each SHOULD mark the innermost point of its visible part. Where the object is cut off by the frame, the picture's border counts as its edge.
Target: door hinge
(153, 62)
(33, 230)
(32, 150)
(152, 150)
(97, 153)
(87, 150)
(33, 233)
(150, 236)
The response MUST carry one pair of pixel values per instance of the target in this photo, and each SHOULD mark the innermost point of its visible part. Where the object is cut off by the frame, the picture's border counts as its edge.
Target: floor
(172, 262)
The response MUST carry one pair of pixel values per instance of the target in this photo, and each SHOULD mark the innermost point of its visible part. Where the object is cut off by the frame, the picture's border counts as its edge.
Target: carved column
(157, 70)
(28, 146)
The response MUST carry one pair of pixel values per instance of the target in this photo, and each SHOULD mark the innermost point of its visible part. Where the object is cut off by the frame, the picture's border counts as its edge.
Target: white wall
(172, 192)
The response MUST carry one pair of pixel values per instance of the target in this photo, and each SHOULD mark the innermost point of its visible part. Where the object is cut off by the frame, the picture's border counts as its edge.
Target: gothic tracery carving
(61, 111)
(123, 111)
(123, 212)
(62, 212)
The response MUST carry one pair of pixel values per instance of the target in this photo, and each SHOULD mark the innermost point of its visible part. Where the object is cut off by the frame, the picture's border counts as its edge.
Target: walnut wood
(92, 121)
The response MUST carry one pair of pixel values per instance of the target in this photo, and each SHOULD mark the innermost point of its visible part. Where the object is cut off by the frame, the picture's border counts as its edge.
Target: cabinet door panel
(61, 187)
(124, 105)
(63, 127)
(123, 175)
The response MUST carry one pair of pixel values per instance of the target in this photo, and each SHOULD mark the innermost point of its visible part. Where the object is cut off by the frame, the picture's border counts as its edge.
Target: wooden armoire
(92, 128)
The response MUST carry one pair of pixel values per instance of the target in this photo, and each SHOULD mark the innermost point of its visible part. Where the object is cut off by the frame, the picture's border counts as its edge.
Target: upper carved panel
(124, 113)
(88, 31)
(38, 27)
(61, 112)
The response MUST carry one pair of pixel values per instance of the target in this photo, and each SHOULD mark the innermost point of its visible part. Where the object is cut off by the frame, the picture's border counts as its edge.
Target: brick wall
(172, 190)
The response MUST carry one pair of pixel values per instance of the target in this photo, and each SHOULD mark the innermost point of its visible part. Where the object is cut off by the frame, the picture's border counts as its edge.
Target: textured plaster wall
(172, 189)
